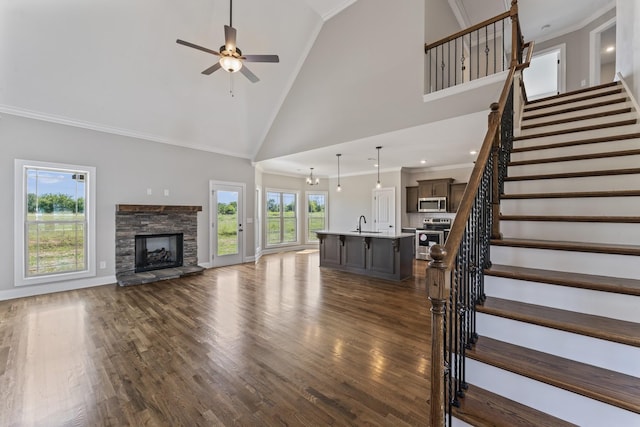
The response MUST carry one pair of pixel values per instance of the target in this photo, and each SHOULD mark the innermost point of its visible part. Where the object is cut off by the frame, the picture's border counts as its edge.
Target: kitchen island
(387, 255)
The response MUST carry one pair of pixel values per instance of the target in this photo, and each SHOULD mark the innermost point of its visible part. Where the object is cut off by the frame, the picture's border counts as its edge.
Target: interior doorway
(602, 53)
(546, 74)
(226, 213)
(384, 209)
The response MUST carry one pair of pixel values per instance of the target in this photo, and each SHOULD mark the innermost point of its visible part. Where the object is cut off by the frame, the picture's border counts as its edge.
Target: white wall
(577, 42)
(628, 43)
(126, 167)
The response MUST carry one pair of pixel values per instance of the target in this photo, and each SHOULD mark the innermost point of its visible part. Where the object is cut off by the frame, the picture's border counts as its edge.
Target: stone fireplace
(156, 242)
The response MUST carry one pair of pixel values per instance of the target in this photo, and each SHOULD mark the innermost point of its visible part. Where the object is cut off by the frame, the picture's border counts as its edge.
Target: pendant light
(378, 184)
(338, 188)
(311, 180)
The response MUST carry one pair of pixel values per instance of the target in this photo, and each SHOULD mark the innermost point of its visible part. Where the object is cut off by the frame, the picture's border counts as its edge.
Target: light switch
(149, 191)
(166, 192)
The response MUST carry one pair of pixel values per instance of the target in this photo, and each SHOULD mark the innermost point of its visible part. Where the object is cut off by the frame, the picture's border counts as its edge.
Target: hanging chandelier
(311, 180)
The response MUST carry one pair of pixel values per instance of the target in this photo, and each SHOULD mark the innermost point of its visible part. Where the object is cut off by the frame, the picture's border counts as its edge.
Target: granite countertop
(368, 233)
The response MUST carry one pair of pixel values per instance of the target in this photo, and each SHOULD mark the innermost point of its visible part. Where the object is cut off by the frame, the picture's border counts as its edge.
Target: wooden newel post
(438, 288)
(514, 33)
(494, 117)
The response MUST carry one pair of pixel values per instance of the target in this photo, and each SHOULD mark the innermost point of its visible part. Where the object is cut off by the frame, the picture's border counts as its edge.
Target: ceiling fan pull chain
(231, 85)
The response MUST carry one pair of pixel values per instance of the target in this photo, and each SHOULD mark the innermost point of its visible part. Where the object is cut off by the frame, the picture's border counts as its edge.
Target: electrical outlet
(149, 191)
(103, 265)
(583, 83)
(166, 192)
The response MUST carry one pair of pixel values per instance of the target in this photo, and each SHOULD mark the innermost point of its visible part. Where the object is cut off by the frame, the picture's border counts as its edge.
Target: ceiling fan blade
(261, 58)
(211, 69)
(248, 74)
(195, 46)
(230, 38)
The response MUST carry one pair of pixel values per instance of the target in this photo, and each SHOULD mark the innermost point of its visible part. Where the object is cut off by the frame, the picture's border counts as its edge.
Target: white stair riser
(592, 351)
(577, 136)
(552, 400)
(578, 113)
(575, 150)
(560, 185)
(625, 266)
(582, 123)
(592, 94)
(597, 232)
(622, 162)
(459, 423)
(597, 303)
(606, 206)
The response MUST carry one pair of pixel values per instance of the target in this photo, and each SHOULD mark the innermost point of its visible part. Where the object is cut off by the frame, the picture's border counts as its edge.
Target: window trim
(20, 207)
(306, 212)
(268, 245)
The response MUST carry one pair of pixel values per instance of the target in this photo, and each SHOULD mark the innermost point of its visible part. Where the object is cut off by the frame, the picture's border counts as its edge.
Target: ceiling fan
(231, 58)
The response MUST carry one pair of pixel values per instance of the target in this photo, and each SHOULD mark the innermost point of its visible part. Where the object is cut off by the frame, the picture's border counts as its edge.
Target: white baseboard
(49, 288)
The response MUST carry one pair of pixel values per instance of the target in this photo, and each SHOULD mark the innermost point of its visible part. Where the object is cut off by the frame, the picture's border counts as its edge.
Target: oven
(434, 232)
(425, 239)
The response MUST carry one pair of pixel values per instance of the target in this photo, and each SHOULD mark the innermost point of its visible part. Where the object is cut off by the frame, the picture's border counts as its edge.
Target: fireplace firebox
(157, 251)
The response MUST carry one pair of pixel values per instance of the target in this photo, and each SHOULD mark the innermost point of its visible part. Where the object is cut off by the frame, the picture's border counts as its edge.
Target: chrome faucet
(360, 223)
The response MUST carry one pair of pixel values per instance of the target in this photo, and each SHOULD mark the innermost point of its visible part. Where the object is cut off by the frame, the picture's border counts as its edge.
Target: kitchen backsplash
(415, 219)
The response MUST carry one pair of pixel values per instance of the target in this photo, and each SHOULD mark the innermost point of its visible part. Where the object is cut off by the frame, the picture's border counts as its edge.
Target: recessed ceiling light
(423, 161)
(611, 49)
(473, 152)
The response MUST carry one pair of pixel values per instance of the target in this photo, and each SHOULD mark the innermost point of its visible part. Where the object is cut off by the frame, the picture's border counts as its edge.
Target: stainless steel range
(434, 232)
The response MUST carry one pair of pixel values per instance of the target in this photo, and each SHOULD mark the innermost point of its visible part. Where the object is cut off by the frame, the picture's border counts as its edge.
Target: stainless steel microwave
(432, 204)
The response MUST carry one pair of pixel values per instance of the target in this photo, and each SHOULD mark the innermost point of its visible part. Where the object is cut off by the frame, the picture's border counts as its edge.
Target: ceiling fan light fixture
(230, 64)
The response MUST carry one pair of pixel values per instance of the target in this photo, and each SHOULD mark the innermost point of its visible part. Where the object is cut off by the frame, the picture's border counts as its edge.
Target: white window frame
(306, 212)
(20, 211)
(266, 218)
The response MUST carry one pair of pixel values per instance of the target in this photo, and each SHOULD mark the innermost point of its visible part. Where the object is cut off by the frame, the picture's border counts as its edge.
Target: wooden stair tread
(578, 118)
(609, 138)
(602, 248)
(574, 92)
(576, 129)
(604, 385)
(588, 156)
(482, 408)
(573, 194)
(580, 174)
(574, 109)
(562, 278)
(573, 218)
(601, 327)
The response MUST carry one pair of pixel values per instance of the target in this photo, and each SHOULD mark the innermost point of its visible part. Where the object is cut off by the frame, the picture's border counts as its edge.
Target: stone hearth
(132, 220)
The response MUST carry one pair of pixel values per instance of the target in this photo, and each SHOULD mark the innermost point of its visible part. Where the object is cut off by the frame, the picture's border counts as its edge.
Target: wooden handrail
(466, 31)
(444, 269)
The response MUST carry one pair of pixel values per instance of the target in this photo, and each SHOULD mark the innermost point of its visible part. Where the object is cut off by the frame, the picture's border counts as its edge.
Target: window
(54, 222)
(316, 214)
(282, 221)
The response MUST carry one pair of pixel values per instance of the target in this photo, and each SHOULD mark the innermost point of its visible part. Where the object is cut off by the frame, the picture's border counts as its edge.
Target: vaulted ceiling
(349, 77)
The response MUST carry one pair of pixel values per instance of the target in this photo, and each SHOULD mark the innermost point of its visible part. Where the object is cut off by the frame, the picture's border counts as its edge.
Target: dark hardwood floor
(281, 342)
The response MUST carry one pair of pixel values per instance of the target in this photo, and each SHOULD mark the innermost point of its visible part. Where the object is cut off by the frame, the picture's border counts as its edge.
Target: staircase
(559, 332)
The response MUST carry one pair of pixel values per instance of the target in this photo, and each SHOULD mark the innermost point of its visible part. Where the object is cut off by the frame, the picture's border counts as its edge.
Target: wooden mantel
(158, 208)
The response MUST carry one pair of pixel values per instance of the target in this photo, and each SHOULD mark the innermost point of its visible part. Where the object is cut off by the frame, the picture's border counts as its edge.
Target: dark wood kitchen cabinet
(412, 199)
(455, 195)
(434, 187)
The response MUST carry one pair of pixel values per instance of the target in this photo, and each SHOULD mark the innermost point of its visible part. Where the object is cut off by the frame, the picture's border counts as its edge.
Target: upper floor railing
(454, 278)
(479, 51)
